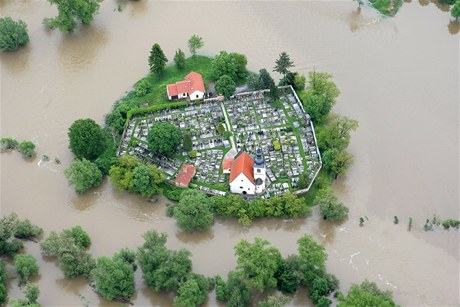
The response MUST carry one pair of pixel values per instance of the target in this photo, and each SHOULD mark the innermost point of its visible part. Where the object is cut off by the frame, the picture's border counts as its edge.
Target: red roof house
(192, 86)
(242, 175)
(185, 175)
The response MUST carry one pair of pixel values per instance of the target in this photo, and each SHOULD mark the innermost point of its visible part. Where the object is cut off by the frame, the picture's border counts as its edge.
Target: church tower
(259, 171)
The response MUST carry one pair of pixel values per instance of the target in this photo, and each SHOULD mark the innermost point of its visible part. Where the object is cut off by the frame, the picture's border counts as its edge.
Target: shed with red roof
(192, 87)
(185, 175)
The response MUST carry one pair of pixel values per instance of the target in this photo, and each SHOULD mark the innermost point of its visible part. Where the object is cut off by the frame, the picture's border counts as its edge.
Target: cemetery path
(229, 128)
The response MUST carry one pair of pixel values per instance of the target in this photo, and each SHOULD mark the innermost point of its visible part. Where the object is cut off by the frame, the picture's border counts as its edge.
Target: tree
(324, 301)
(225, 86)
(86, 139)
(230, 64)
(283, 63)
(322, 286)
(157, 60)
(258, 263)
(195, 42)
(337, 162)
(253, 81)
(164, 139)
(32, 293)
(193, 292)
(13, 34)
(299, 82)
(221, 128)
(80, 236)
(83, 175)
(330, 207)
(455, 11)
(312, 259)
(69, 249)
(24, 229)
(194, 211)
(275, 301)
(3, 277)
(366, 294)
(179, 59)
(265, 80)
(26, 266)
(8, 144)
(69, 12)
(337, 133)
(142, 88)
(27, 149)
(162, 269)
(235, 291)
(304, 180)
(113, 278)
(187, 142)
(12, 229)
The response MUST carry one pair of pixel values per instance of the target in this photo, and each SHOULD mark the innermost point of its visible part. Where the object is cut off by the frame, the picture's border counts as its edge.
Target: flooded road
(398, 77)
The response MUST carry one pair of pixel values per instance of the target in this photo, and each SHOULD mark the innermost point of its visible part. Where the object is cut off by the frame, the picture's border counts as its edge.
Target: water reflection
(135, 7)
(453, 26)
(195, 237)
(158, 298)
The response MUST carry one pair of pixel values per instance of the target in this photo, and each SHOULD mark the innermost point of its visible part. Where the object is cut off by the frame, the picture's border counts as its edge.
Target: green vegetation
(69, 12)
(195, 42)
(192, 292)
(31, 292)
(27, 149)
(157, 60)
(86, 139)
(26, 267)
(366, 294)
(164, 139)
(8, 144)
(179, 59)
(129, 173)
(330, 207)
(13, 34)
(451, 223)
(386, 7)
(187, 143)
(225, 86)
(3, 277)
(283, 63)
(12, 229)
(235, 291)
(83, 175)
(194, 211)
(455, 11)
(229, 64)
(69, 247)
(275, 301)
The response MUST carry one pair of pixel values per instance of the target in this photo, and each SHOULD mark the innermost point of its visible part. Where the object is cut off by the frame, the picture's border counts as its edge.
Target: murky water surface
(398, 77)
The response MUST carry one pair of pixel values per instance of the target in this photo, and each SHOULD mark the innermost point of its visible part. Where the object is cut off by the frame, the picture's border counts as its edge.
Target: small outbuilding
(191, 87)
(185, 175)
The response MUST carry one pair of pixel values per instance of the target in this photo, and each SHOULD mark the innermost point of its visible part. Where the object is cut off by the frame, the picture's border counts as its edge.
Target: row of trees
(26, 148)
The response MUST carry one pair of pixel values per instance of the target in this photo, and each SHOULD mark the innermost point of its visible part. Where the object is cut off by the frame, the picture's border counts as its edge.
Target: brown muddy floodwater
(398, 77)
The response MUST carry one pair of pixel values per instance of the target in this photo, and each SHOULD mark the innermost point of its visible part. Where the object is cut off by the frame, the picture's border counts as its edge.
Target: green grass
(383, 6)
(324, 179)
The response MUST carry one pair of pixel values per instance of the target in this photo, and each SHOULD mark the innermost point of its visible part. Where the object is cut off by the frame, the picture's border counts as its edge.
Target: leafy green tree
(455, 11)
(142, 88)
(32, 293)
(283, 63)
(195, 42)
(83, 175)
(164, 139)
(258, 263)
(86, 139)
(275, 301)
(312, 259)
(157, 60)
(330, 207)
(304, 180)
(229, 64)
(221, 128)
(288, 79)
(235, 291)
(225, 86)
(142, 180)
(324, 301)
(366, 294)
(192, 292)
(323, 286)
(8, 144)
(265, 80)
(299, 82)
(27, 149)
(187, 142)
(26, 267)
(69, 12)
(80, 236)
(253, 81)
(24, 229)
(113, 278)
(179, 59)
(320, 96)
(337, 133)
(3, 277)
(9, 245)
(13, 34)
(288, 275)
(70, 252)
(194, 211)
(337, 162)
(162, 269)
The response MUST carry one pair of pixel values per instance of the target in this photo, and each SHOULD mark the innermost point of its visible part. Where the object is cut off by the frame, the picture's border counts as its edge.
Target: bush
(276, 145)
(3, 277)
(13, 34)
(27, 149)
(142, 88)
(8, 144)
(192, 154)
(26, 266)
(80, 236)
(451, 223)
(26, 230)
(83, 175)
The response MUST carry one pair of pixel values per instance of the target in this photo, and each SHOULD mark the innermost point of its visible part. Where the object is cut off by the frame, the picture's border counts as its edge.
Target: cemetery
(281, 128)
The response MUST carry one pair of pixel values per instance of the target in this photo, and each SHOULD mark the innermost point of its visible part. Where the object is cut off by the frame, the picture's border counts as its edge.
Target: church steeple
(259, 160)
(259, 171)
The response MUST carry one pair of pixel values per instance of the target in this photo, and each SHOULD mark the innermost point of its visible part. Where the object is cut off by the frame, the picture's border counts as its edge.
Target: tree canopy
(337, 162)
(195, 42)
(86, 139)
(26, 266)
(283, 63)
(164, 139)
(225, 86)
(230, 64)
(192, 292)
(455, 11)
(27, 149)
(31, 293)
(157, 60)
(366, 294)
(275, 301)
(330, 207)
(3, 278)
(337, 133)
(69, 12)
(11, 230)
(83, 175)
(312, 259)
(179, 59)
(235, 291)
(13, 34)
(258, 263)
(194, 211)
(187, 142)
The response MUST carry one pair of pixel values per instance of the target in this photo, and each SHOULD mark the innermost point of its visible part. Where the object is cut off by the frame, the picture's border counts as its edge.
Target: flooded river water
(398, 77)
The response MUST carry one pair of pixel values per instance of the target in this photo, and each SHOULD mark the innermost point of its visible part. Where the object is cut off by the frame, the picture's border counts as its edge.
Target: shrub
(142, 88)
(192, 154)
(276, 145)
(27, 149)
(26, 266)
(13, 34)
(8, 144)
(83, 175)
(451, 223)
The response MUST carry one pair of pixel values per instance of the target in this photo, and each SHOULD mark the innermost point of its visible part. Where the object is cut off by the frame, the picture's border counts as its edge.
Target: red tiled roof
(227, 163)
(196, 82)
(186, 174)
(172, 90)
(183, 87)
(243, 164)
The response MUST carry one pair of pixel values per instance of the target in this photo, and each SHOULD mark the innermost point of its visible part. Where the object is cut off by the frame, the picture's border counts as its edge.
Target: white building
(192, 87)
(247, 176)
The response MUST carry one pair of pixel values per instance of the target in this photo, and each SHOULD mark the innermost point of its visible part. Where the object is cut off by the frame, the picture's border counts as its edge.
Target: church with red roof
(191, 87)
(247, 175)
